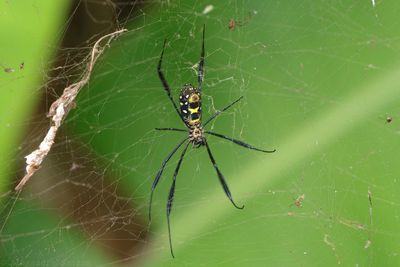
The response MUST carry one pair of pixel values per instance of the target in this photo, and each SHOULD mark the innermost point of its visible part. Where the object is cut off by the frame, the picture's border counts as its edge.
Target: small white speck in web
(373, 3)
(208, 9)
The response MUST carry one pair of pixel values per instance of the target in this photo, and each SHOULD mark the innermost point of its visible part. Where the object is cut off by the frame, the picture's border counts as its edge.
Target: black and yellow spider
(190, 114)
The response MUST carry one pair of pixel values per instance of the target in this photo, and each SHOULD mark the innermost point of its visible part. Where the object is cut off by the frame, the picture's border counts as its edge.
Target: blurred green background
(320, 81)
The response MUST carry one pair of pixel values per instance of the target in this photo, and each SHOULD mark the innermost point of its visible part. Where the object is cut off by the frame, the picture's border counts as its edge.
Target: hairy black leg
(165, 83)
(200, 75)
(240, 143)
(220, 111)
(158, 176)
(221, 178)
(170, 129)
(171, 197)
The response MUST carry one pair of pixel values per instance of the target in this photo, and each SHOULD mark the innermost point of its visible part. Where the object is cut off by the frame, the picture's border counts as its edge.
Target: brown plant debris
(59, 109)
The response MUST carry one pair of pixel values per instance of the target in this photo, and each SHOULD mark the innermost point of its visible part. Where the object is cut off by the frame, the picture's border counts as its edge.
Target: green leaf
(31, 31)
(29, 235)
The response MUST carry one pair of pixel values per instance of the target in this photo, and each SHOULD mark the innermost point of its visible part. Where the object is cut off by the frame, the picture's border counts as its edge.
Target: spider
(190, 114)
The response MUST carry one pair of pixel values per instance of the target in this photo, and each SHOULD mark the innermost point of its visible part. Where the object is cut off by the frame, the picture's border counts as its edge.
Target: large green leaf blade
(318, 80)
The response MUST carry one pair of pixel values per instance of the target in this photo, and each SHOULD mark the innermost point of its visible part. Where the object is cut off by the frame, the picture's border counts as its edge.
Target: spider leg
(221, 178)
(220, 111)
(164, 81)
(200, 75)
(240, 143)
(171, 129)
(171, 196)
(158, 176)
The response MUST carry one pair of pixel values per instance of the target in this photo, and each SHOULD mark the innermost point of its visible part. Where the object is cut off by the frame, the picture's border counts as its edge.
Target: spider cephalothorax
(190, 114)
(196, 136)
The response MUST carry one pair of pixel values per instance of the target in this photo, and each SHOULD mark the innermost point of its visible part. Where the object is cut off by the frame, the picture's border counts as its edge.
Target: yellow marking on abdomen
(193, 98)
(193, 110)
(193, 122)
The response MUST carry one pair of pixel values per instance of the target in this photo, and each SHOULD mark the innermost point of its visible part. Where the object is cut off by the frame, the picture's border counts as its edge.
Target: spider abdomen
(190, 103)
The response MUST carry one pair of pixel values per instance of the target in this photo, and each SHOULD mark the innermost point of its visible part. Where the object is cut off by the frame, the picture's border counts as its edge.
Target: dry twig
(60, 108)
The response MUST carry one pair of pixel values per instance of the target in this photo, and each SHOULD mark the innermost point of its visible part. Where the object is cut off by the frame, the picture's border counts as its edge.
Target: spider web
(319, 82)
